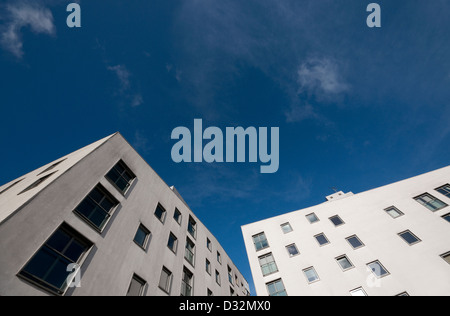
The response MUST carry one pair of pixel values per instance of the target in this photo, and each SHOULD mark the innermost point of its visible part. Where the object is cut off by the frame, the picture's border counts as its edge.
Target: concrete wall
(416, 269)
(115, 257)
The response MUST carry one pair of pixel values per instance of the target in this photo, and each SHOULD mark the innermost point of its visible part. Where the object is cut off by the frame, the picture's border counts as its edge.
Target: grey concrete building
(100, 221)
(392, 240)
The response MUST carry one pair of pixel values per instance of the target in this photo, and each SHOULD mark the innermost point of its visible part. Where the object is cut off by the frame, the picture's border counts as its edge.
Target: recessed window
(311, 275)
(189, 253)
(344, 263)
(267, 264)
(292, 250)
(403, 294)
(430, 202)
(286, 228)
(192, 227)
(48, 268)
(208, 266)
(337, 221)
(12, 185)
(97, 208)
(52, 167)
(312, 218)
(409, 237)
(378, 269)
(260, 241)
(393, 211)
(445, 190)
(322, 239)
(358, 292)
(160, 213)
(187, 283)
(142, 237)
(208, 244)
(136, 287)
(218, 277)
(219, 257)
(230, 275)
(276, 288)
(165, 281)
(355, 242)
(177, 216)
(446, 257)
(447, 217)
(209, 293)
(172, 244)
(37, 183)
(121, 176)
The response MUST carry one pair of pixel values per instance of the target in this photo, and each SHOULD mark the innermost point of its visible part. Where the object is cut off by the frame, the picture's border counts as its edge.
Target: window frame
(382, 266)
(418, 240)
(36, 183)
(444, 217)
(277, 281)
(168, 286)
(190, 284)
(267, 264)
(259, 241)
(446, 188)
(126, 169)
(287, 224)
(348, 260)
(396, 210)
(193, 227)
(187, 250)
(147, 233)
(338, 217)
(359, 240)
(359, 289)
(296, 249)
(180, 216)
(326, 238)
(139, 280)
(317, 218)
(315, 273)
(444, 256)
(162, 219)
(427, 204)
(175, 243)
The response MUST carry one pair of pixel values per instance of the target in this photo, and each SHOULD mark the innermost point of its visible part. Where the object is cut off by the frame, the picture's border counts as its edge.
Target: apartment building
(393, 240)
(101, 222)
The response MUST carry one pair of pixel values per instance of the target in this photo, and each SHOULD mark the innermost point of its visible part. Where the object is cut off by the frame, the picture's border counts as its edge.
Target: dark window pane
(140, 237)
(107, 204)
(59, 240)
(409, 237)
(355, 242)
(75, 251)
(98, 217)
(336, 221)
(58, 273)
(113, 175)
(321, 239)
(40, 263)
(96, 195)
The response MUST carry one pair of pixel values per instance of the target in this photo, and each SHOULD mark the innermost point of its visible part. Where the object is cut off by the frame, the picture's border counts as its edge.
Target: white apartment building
(101, 222)
(393, 240)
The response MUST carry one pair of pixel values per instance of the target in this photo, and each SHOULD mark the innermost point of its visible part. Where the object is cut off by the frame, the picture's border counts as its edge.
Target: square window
(377, 268)
(409, 237)
(165, 281)
(447, 217)
(355, 242)
(160, 213)
(121, 177)
(311, 275)
(322, 239)
(393, 211)
(444, 190)
(344, 263)
(337, 221)
(446, 257)
(312, 218)
(260, 241)
(172, 244)
(430, 202)
(292, 250)
(286, 228)
(276, 288)
(358, 292)
(136, 287)
(267, 264)
(177, 216)
(142, 237)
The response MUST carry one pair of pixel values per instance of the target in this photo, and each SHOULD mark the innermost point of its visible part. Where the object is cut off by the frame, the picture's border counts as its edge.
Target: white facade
(417, 264)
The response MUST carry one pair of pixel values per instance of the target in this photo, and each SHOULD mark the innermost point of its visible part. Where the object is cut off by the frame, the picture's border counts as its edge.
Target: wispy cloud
(19, 15)
(126, 90)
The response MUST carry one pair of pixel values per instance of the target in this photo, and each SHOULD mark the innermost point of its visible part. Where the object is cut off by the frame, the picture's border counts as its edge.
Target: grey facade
(118, 228)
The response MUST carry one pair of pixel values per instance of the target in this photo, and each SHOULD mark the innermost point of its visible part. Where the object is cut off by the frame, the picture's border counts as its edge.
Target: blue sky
(357, 107)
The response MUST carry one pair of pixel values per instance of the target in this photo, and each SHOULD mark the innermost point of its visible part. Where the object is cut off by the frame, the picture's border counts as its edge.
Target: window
(337, 221)
(208, 244)
(12, 185)
(121, 177)
(208, 266)
(48, 267)
(209, 293)
(160, 213)
(267, 264)
(393, 211)
(446, 257)
(52, 167)
(322, 239)
(292, 250)
(96, 209)
(260, 241)
(430, 202)
(276, 288)
(409, 237)
(358, 292)
(192, 227)
(37, 183)
(217, 277)
(189, 253)
(177, 216)
(137, 286)
(344, 263)
(377, 268)
(172, 244)
(447, 217)
(403, 294)
(286, 228)
(165, 281)
(219, 257)
(311, 275)
(142, 237)
(187, 283)
(355, 242)
(230, 275)
(231, 291)
(445, 190)
(312, 218)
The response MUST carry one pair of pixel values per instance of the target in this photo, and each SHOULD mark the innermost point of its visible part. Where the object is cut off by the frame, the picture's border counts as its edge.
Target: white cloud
(24, 14)
(125, 91)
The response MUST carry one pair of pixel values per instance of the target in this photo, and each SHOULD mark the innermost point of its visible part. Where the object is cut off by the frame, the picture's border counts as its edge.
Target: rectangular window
(403, 294)
(355, 242)
(219, 257)
(377, 268)
(446, 257)
(209, 293)
(187, 283)
(192, 227)
(337, 221)
(322, 239)
(52, 167)
(142, 237)
(311, 275)
(208, 266)
(268, 264)
(208, 244)
(447, 217)
(276, 288)
(177, 216)
(165, 281)
(217, 277)
(230, 275)
(12, 185)
(260, 241)
(344, 263)
(393, 211)
(409, 237)
(358, 292)
(160, 213)
(286, 228)
(37, 183)
(121, 177)
(97, 208)
(48, 268)
(445, 190)
(172, 244)
(189, 253)
(312, 218)
(430, 202)
(292, 250)
(136, 287)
